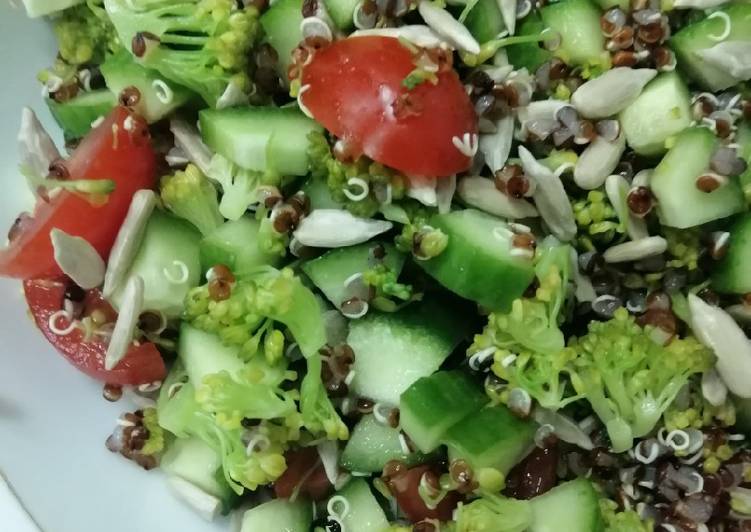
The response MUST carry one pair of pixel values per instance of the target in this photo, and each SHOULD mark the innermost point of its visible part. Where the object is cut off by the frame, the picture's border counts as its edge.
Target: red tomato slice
(355, 91)
(406, 489)
(305, 473)
(120, 150)
(142, 364)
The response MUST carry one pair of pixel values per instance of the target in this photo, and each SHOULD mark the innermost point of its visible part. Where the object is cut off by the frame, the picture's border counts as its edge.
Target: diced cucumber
(204, 353)
(176, 414)
(743, 139)
(372, 444)
(434, 404)
(330, 271)
(235, 244)
(679, 202)
(661, 111)
(733, 273)
(39, 8)
(577, 22)
(279, 515)
(266, 139)
(742, 415)
(341, 12)
(365, 514)
(485, 21)
(76, 116)
(703, 35)
(574, 505)
(491, 437)
(528, 55)
(625, 5)
(159, 97)
(281, 24)
(393, 350)
(319, 194)
(168, 262)
(192, 460)
(477, 263)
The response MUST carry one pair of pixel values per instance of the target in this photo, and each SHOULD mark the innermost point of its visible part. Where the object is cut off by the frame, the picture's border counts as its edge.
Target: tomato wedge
(142, 364)
(355, 90)
(304, 473)
(119, 149)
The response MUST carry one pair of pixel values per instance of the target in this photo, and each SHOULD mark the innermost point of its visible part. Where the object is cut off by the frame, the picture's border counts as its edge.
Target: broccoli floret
(385, 282)
(597, 221)
(684, 246)
(696, 412)
(270, 241)
(628, 379)
(338, 176)
(201, 44)
(255, 302)
(155, 442)
(84, 34)
(625, 521)
(191, 196)
(418, 237)
(239, 186)
(318, 414)
(232, 398)
(529, 344)
(492, 513)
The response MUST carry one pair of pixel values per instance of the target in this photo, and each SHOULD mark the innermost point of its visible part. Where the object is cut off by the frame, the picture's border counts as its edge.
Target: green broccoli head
(625, 521)
(84, 34)
(492, 512)
(239, 186)
(254, 304)
(628, 379)
(191, 196)
(155, 442)
(385, 282)
(698, 413)
(597, 221)
(318, 414)
(201, 44)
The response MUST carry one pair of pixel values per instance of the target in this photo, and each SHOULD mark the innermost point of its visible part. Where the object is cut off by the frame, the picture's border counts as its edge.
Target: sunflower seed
(636, 250)
(205, 504)
(612, 92)
(713, 389)
(77, 259)
(598, 161)
(127, 321)
(36, 148)
(334, 228)
(418, 34)
(188, 139)
(731, 57)
(716, 329)
(496, 146)
(617, 188)
(441, 21)
(481, 193)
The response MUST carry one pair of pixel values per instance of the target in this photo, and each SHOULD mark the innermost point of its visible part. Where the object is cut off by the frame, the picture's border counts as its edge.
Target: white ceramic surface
(53, 420)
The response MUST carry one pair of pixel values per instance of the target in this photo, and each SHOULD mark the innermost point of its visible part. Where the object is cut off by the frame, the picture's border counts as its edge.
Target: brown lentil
(286, 219)
(58, 170)
(640, 201)
(112, 392)
(708, 183)
(624, 58)
(130, 96)
(139, 43)
(219, 290)
(424, 526)
(523, 241)
(393, 418)
(18, 226)
(364, 406)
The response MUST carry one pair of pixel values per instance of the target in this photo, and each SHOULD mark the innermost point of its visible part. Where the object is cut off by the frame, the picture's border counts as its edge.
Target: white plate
(53, 420)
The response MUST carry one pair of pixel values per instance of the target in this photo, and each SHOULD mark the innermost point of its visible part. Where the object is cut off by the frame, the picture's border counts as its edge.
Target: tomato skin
(355, 90)
(142, 364)
(406, 486)
(110, 151)
(315, 486)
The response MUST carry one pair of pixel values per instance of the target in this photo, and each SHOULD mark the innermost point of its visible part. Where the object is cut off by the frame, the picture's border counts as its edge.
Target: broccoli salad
(409, 265)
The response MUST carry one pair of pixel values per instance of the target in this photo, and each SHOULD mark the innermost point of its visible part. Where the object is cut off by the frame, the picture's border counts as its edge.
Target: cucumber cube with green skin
(577, 22)
(365, 514)
(158, 96)
(743, 139)
(235, 244)
(279, 515)
(530, 55)
(434, 404)
(733, 273)
(264, 139)
(679, 202)
(333, 269)
(194, 461)
(573, 505)
(478, 263)
(703, 35)
(485, 21)
(341, 12)
(203, 353)
(661, 111)
(492, 437)
(281, 25)
(393, 350)
(168, 262)
(372, 444)
(742, 415)
(76, 116)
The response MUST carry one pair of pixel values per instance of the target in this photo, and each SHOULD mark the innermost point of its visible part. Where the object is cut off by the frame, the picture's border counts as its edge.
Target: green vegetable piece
(529, 55)
(76, 116)
(341, 12)
(281, 25)
(365, 514)
(279, 515)
(485, 21)
(493, 513)
(84, 34)
(674, 183)
(573, 505)
(192, 197)
(196, 462)
(732, 274)
(577, 23)
(236, 245)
